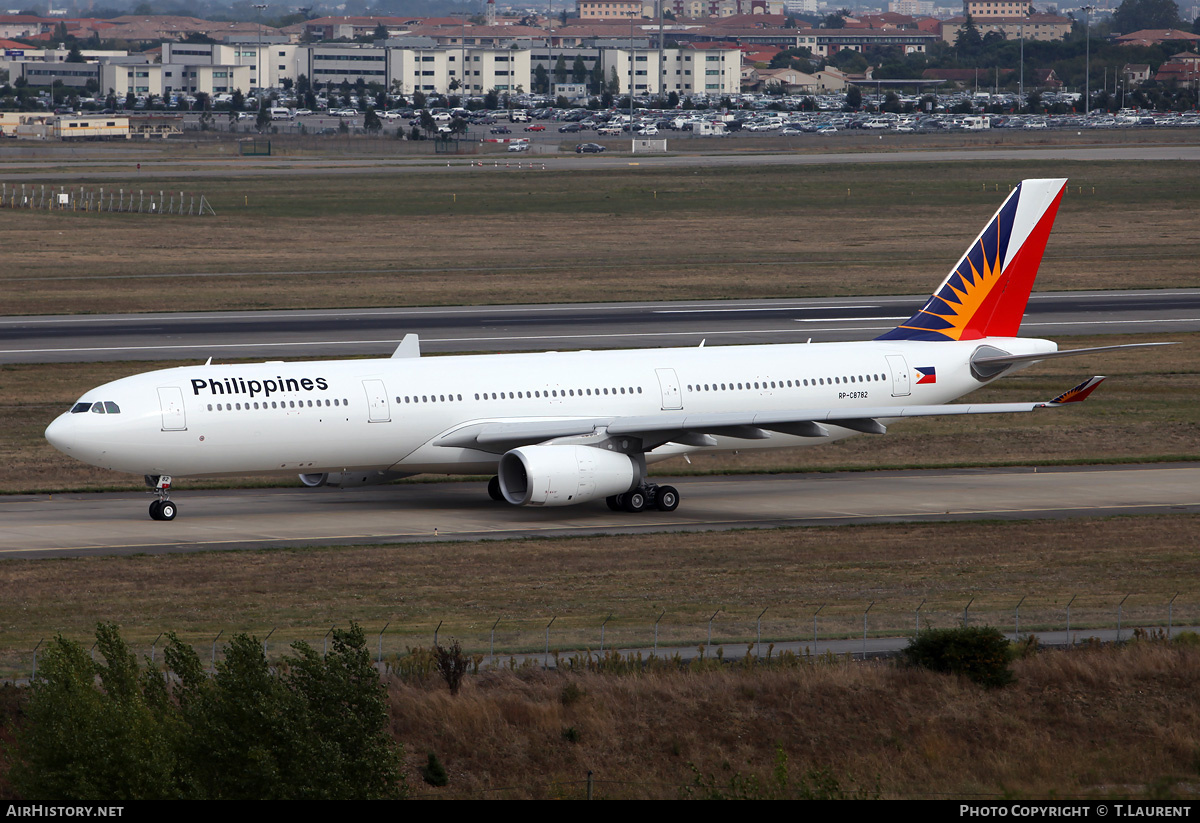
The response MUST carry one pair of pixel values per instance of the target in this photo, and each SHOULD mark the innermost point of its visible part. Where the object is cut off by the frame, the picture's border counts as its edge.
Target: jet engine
(347, 479)
(564, 475)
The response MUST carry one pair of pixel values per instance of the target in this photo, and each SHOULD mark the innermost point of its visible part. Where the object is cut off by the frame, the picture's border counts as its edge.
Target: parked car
(501, 130)
(518, 146)
(570, 128)
(590, 148)
(537, 127)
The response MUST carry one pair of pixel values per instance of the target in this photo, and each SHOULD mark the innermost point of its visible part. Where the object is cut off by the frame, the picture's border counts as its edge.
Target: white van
(281, 114)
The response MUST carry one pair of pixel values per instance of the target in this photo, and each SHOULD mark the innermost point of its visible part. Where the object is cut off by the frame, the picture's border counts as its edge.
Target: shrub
(451, 664)
(979, 653)
(433, 772)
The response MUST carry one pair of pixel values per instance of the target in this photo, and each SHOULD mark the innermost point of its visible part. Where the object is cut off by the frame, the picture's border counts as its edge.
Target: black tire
(494, 489)
(614, 504)
(156, 510)
(667, 499)
(635, 501)
(167, 510)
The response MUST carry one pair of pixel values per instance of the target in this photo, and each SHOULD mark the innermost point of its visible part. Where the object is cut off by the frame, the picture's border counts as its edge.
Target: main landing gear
(645, 496)
(162, 508)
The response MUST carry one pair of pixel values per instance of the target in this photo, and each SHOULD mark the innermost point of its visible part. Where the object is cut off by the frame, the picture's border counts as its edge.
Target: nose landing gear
(162, 508)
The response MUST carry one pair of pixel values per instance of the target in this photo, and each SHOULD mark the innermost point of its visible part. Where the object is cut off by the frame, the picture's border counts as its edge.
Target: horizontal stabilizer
(1030, 358)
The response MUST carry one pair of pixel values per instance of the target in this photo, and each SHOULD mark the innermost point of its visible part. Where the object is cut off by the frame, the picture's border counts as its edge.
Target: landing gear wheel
(667, 499)
(614, 503)
(635, 501)
(494, 491)
(167, 510)
(156, 510)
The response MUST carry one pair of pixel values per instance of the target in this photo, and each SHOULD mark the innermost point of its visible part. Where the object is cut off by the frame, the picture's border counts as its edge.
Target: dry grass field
(1096, 724)
(468, 586)
(626, 233)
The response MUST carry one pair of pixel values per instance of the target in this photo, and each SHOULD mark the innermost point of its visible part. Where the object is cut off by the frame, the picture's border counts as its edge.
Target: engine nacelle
(564, 475)
(347, 479)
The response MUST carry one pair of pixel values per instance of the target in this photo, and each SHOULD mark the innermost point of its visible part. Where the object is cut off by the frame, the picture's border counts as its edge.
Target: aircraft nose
(60, 434)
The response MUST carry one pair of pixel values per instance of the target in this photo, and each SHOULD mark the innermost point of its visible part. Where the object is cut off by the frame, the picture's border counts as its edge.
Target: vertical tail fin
(986, 293)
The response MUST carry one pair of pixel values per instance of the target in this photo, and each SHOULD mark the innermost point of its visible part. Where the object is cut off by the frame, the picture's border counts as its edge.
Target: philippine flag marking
(928, 374)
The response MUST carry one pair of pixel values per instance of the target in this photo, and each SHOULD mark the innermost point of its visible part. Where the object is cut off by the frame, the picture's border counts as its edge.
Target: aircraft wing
(701, 429)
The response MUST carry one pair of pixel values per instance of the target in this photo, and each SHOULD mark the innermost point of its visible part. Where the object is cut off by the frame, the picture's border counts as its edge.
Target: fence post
(268, 637)
(708, 646)
(435, 633)
(1170, 607)
(1120, 608)
(324, 643)
(864, 651)
(152, 645)
(1017, 612)
(966, 613)
(1070, 641)
(917, 619)
(35, 648)
(214, 645)
(381, 631)
(492, 641)
(656, 622)
(758, 634)
(546, 659)
(602, 632)
(818, 611)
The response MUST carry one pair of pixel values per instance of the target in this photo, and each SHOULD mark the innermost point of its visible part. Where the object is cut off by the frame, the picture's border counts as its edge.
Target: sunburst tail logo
(986, 293)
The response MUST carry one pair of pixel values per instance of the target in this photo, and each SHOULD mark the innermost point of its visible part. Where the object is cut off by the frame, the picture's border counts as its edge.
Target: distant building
(1135, 73)
(1182, 69)
(1043, 27)
(913, 8)
(609, 9)
(992, 9)
(1152, 37)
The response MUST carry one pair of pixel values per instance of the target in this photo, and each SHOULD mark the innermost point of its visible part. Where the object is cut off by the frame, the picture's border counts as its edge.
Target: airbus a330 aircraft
(560, 429)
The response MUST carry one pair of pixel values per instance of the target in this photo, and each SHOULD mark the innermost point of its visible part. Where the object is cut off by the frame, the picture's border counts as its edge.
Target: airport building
(43, 126)
(411, 69)
(687, 72)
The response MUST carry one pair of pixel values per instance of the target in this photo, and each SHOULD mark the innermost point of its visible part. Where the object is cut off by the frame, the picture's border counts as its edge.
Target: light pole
(632, 63)
(1087, 88)
(1021, 93)
(258, 61)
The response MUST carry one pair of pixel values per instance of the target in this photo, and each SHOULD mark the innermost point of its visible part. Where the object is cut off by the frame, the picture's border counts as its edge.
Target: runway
(357, 332)
(64, 525)
(19, 171)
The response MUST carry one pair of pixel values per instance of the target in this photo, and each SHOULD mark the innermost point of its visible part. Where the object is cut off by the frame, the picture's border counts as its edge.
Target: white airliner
(560, 429)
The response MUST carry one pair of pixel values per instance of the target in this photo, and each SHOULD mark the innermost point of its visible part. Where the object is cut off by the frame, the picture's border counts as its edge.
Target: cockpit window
(97, 408)
(80, 407)
(111, 407)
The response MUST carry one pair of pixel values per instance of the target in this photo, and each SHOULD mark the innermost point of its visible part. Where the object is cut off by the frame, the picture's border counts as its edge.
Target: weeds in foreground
(815, 784)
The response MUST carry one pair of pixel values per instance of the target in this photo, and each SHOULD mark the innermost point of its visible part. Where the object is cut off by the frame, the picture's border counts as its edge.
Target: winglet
(1079, 393)
(410, 346)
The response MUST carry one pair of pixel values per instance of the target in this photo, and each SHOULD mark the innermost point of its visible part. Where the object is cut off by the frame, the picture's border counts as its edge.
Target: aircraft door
(377, 401)
(170, 399)
(668, 384)
(900, 376)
